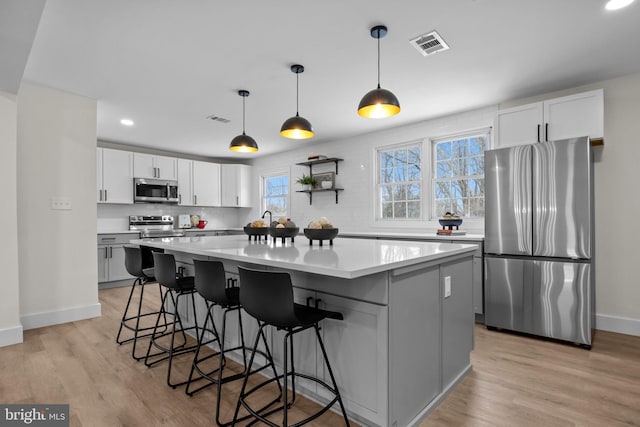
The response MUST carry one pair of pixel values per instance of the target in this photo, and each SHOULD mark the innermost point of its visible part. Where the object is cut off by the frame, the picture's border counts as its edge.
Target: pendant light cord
(378, 58)
(297, 91)
(243, 99)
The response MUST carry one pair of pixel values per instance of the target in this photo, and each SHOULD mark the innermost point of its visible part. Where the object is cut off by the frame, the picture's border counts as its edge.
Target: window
(400, 182)
(275, 194)
(458, 174)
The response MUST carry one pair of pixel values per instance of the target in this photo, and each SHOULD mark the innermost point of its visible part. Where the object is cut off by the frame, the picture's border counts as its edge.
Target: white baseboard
(38, 320)
(621, 325)
(10, 336)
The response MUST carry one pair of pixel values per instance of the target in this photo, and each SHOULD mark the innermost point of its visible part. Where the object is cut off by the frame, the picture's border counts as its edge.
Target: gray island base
(404, 342)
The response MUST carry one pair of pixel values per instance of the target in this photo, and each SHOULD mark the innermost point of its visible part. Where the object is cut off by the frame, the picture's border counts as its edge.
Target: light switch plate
(61, 203)
(447, 286)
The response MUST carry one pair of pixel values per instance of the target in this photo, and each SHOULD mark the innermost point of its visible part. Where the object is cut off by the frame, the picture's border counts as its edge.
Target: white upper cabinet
(206, 184)
(518, 125)
(198, 183)
(155, 167)
(114, 176)
(575, 115)
(559, 118)
(235, 185)
(185, 182)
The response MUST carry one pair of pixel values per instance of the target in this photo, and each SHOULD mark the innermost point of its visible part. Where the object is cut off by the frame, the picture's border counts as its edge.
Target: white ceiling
(169, 64)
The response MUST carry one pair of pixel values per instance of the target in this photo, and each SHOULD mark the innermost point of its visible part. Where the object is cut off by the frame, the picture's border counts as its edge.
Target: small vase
(306, 187)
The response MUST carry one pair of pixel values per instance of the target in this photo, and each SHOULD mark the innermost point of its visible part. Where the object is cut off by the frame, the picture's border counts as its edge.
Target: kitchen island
(407, 331)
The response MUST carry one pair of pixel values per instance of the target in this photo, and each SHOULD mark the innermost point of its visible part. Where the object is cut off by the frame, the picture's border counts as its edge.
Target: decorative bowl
(321, 234)
(283, 232)
(450, 222)
(256, 232)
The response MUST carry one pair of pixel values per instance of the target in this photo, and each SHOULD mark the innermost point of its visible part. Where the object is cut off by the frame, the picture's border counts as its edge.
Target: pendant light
(243, 143)
(297, 127)
(379, 103)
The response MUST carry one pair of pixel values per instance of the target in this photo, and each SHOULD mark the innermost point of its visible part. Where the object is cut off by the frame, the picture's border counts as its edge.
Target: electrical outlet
(447, 286)
(61, 203)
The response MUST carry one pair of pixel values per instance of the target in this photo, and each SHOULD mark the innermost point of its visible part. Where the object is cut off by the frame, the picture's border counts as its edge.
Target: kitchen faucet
(270, 218)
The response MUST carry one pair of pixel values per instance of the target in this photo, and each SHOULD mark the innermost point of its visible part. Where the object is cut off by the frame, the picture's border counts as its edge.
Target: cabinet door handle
(195, 199)
(158, 172)
(106, 252)
(546, 131)
(99, 195)
(538, 133)
(237, 200)
(105, 195)
(179, 199)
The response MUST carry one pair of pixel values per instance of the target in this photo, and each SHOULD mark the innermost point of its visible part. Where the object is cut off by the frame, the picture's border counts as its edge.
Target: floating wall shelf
(318, 190)
(310, 164)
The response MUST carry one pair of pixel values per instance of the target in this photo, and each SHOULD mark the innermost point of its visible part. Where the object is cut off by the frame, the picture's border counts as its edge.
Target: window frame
(420, 143)
(433, 142)
(263, 179)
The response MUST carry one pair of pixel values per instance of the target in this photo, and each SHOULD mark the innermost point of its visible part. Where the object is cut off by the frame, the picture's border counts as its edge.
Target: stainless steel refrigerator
(539, 240)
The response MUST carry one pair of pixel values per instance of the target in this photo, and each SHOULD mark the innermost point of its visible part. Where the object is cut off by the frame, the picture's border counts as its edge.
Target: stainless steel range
(154, 226)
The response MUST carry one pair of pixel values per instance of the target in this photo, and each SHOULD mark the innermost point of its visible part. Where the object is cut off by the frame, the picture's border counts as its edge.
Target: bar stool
(213, 286)
(139, 263)
(268, 296)
(176, 286)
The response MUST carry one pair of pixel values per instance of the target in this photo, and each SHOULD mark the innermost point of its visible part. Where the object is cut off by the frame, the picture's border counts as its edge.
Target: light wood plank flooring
(516, 381)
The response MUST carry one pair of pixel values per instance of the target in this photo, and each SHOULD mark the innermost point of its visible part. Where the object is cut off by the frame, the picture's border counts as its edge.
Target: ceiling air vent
(218, 119)
(430, 43)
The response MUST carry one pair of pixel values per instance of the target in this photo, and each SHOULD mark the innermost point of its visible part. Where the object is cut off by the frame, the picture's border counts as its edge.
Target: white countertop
(410, 235)
(346, 258)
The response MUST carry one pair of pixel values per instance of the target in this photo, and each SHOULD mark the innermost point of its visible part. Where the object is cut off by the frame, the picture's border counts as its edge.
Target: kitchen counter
(346, 258)
(410, 235)
(407, 332)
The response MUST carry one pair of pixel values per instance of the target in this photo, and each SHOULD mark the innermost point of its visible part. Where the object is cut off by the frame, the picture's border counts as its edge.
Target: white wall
(57, 248)
(10, 326)
(354, 211)
(617, 203)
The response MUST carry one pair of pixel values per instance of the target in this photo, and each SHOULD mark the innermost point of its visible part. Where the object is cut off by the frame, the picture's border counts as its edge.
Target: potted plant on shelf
(307, 182)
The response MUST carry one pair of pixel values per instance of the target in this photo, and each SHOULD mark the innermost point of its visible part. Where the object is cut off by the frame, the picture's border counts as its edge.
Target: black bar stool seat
(268, 296)
(139, 263)
(176, 286)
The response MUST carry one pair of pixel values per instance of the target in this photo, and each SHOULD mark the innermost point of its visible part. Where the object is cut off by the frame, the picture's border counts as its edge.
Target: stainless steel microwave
(155, 191)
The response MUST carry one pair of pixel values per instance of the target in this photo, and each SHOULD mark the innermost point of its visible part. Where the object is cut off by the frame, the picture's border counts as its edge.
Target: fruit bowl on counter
(283, 232)
(450, 220)
(257, 229)
(283, 229)
(320, 229)
(320, 234)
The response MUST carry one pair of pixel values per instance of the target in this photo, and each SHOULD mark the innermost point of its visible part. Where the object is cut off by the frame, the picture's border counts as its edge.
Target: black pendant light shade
(297, 127)
(243, 143)
(379, 103)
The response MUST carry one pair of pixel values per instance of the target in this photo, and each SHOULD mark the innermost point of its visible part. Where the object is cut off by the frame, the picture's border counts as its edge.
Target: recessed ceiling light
(126, 122)
(617, 4)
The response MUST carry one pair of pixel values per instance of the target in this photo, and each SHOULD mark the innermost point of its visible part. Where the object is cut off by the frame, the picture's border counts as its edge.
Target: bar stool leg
(333, 379)
(126, 310)
(275, 378)
(201, 342)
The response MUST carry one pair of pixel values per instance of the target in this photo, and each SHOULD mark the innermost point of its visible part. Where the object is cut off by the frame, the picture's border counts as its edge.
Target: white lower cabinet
(111, 266)
(111, 263)
(361, 337)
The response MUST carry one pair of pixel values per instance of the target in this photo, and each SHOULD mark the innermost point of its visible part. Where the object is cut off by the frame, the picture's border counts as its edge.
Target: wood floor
(516, 381)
